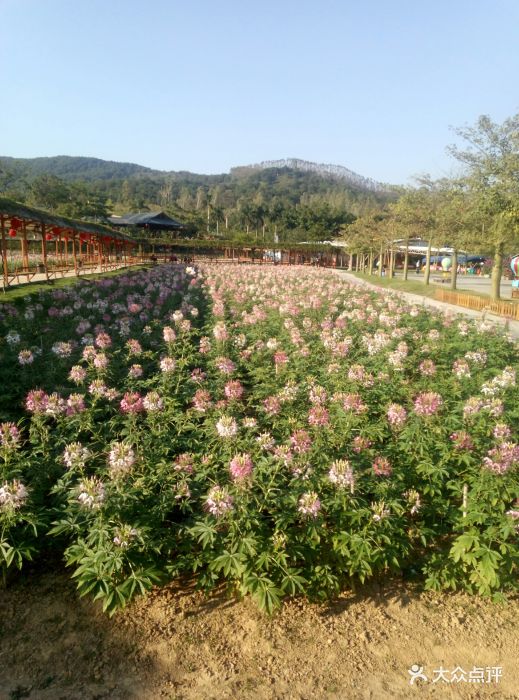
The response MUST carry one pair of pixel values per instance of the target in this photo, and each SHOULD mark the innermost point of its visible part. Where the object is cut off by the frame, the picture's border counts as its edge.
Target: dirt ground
(178, 644)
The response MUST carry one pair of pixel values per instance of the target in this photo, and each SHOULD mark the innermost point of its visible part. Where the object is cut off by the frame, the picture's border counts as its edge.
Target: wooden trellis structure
(39, 245)
(318, 255)
(34, 242)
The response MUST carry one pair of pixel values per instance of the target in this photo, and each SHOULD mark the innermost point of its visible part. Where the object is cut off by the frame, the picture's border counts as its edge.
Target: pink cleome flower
(341, 474)
(396, 415)
(272, 405)
(382, 466)
(280, 358)
(77, 374)
(225, 365)
(241, 466)
(427, 403)
(132, 402)
(103, 340)
(462, 441)
(218, 501)
(9, 435)
(36, 401)
(167, 364)
(233, 389)
(361, 443)
(318, 416)
(300, 441)
(309, 505)
(502, 458)
(201, 400)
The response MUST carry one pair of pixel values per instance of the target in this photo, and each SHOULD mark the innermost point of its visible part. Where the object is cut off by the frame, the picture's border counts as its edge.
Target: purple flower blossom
(75, 455)
(184, 463)
(25, 357)
(201, 400)
(360, 443)
(167, 364)
(272, 405)
(77, 374)
(427, 368)
(225, 365)
(91, 493)
(501, 432)
(169, 334)
(103, 340)
(134, 347)
(153, 402)
(233, 390)
(75, 404)
(354, 403)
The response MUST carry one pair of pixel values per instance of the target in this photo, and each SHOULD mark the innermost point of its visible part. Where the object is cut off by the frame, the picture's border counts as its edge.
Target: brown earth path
(178, 644)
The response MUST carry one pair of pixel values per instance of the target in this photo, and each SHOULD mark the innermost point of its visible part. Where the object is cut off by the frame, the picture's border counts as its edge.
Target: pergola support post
(74, 254)
(44, 252)
(25, 253)
(5, 267)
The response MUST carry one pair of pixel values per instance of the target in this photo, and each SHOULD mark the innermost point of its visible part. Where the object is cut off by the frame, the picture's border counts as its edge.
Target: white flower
(75, 455)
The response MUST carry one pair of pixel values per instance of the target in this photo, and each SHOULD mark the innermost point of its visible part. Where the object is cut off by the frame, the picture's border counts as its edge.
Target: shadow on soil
(49, 638)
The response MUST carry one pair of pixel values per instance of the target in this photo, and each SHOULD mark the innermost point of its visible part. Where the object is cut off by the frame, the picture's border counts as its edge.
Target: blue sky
(204, 86)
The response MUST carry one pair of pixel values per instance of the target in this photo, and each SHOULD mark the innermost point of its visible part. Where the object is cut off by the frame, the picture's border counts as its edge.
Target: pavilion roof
(158, 219)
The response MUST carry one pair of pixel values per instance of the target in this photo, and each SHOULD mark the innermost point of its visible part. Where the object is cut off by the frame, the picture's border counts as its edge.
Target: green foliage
(270, 204)
(308, 486)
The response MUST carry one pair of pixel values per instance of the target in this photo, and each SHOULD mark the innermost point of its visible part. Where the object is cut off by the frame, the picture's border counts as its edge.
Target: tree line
(271, 205)
(478, 211)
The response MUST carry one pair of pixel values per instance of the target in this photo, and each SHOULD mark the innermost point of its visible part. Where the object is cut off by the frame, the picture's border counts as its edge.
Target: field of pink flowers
(277, 429)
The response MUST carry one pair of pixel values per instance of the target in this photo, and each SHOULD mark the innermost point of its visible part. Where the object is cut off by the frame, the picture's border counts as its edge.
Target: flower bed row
(280, 430)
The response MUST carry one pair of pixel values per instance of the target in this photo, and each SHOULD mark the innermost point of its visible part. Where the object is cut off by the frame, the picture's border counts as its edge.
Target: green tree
(491, 160)
(48, 192)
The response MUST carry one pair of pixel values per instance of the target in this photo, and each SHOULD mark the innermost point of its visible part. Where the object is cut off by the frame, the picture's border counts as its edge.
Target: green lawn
(22, 290)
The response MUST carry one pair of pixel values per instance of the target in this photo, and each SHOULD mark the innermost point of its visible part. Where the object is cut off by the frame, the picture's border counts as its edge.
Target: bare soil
(176, 643)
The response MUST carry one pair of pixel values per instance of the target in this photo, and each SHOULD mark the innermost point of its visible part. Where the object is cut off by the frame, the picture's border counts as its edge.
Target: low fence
(509, 309)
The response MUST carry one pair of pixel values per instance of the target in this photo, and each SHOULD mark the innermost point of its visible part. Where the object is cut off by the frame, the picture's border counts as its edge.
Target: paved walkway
(511, 326)
(472, 283)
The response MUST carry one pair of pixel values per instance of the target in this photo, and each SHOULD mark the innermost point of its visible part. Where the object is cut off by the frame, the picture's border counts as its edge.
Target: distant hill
(322, 169)
(291, 199)
(73, 168)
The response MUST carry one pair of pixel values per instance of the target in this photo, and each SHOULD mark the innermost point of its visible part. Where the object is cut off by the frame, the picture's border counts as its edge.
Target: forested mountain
(326, 170)
(73, 168)
(278, 200)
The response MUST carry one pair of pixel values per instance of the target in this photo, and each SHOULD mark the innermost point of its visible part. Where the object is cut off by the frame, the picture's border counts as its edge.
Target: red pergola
(35, 242)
